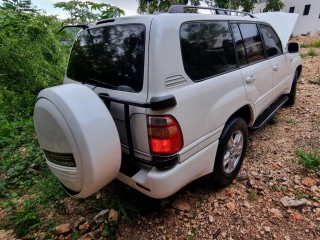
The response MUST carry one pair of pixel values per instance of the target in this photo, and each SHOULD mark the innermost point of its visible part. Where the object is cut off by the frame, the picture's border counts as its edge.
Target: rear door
(255, 69)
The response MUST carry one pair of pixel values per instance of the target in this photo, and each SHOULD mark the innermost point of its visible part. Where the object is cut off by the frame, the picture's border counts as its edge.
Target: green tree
(151, 6)
(247, 5)
(274, 5)
(18, 6)
(89, 11)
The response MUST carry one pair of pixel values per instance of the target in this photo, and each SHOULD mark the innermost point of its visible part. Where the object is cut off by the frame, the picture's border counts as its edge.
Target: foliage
(32, 58)
(151, 6)
(273, 5)
(88, 11)
(308, 158)
(246, 5)
(312, 53)
(18, 6)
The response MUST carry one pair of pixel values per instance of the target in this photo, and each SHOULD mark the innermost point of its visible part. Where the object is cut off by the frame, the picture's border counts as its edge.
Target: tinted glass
(271, 41)
(111, 57)
(252, 42)
(207, 49)
(241, 51)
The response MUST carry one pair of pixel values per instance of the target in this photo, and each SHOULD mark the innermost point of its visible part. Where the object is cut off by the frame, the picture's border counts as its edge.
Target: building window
(306, 9)
(291, 10)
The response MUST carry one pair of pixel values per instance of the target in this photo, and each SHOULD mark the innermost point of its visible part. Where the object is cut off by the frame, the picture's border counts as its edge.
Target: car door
(279, 61)
(255, 69)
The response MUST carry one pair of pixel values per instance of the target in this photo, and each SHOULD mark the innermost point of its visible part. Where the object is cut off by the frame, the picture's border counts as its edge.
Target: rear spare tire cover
(79, 138)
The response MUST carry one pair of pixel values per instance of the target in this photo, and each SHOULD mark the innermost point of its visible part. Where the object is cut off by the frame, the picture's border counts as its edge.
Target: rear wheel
(231, 152)
(293, 92)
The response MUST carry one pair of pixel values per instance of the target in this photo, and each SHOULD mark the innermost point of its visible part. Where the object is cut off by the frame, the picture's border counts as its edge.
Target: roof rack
(221, 11)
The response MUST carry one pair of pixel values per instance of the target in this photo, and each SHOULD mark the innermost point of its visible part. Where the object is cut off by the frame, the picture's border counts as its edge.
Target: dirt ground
(251, 207)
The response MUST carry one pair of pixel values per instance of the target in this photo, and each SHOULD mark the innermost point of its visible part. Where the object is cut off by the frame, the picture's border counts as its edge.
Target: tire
(293, 91)
(228, 159)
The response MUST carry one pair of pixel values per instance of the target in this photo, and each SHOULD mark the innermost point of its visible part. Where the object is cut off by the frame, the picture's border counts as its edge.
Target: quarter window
(271, 41)
(291, 9)
(207, 49)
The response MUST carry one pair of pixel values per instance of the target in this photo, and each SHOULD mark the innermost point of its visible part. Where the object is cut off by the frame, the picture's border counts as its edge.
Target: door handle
(250, 79)
(276, 67)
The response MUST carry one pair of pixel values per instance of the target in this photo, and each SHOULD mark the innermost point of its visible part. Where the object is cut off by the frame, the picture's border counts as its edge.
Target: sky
(129, 6)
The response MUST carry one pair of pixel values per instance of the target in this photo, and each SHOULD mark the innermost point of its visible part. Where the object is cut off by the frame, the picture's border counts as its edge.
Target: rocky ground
(274, 197)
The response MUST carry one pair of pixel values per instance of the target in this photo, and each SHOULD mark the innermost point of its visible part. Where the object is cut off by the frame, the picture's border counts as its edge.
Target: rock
(81, 220)
(100, 216)
(181, 205)
(210, 218)
(84, 227)
(307, 181)
(317, 211)
(231, 206)
(63, 228)
(86, 237)
(230, 192)
(314, 188)
(266, 229)
(61, 237)
(291, 202)
(295, 216)
(276, 213)
(113, 215)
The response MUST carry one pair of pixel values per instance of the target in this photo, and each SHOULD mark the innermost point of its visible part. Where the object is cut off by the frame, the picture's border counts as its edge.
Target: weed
(291, 121)
(252, 195)
(316, 44)
(309, 158)
(193, 230)
(302, 55)
(299, 195)
(312, 53)
(194, 214)
(190, 238)
(304, 45)
(24, 220)
(273, 120)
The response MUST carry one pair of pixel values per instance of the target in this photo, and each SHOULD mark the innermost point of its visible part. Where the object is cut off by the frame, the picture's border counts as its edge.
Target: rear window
(110, 57)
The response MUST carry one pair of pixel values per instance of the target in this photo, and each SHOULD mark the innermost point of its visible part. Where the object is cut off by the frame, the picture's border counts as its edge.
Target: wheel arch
(299, 69)
(245, 112)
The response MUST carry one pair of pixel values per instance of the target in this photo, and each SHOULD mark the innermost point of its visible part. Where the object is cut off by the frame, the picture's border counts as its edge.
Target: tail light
(165, 136)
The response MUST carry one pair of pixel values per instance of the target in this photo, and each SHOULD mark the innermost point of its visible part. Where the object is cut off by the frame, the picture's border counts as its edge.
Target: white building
(309, 14)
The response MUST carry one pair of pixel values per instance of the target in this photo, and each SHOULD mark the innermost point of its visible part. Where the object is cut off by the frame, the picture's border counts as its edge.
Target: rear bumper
(161, 183)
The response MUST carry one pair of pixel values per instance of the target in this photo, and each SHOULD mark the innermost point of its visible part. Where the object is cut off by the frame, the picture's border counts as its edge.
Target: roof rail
(221, 11)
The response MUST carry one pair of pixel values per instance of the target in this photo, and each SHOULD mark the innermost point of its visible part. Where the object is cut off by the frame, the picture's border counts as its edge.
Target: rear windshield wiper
(83, 26)
(103, 83)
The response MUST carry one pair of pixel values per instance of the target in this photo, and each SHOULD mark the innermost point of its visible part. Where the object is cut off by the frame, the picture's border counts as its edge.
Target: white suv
(158, 101)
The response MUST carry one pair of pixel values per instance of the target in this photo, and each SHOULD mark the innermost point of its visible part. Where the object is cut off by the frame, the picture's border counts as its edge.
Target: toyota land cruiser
(158, 101)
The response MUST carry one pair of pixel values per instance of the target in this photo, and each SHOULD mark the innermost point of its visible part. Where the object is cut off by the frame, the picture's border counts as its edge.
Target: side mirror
(293, 47)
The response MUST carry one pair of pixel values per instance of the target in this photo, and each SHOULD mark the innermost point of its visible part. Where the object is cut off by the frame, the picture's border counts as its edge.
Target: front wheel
(231, 152)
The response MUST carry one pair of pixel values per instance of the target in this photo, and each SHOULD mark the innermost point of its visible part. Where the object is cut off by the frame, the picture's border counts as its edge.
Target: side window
(207, 49)
(271, 41)
(240, 48)
(252, 42)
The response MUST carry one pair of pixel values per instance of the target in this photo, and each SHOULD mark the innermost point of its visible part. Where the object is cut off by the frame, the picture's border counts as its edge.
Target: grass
(291, 121)
(312, 53)
(309, 158)
(252, 195)
(316, 44)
